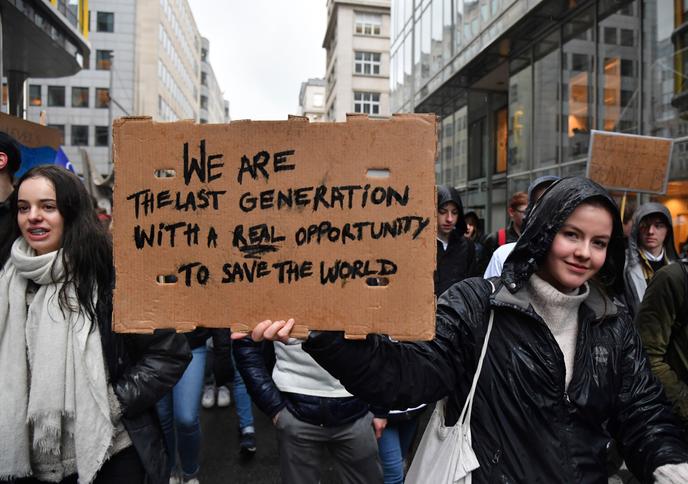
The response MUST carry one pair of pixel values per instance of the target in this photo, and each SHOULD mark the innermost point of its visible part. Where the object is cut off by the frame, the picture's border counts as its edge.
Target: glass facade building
(519, 84)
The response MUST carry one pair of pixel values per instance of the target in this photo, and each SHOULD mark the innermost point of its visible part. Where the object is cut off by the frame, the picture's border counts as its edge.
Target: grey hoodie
(633, 271)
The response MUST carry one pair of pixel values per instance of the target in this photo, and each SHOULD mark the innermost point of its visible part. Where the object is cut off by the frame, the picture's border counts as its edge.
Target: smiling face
(39, 220)
(579, 249)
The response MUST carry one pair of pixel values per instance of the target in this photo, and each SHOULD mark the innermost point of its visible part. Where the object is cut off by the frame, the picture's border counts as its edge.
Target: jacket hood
(546, 218)
(643, 211)
(446, 193)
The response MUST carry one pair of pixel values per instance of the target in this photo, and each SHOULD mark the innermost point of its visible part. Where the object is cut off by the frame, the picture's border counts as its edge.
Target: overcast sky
(261, 51)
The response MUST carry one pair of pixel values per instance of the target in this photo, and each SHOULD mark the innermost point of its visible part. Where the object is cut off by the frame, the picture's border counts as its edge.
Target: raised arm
(402, 375)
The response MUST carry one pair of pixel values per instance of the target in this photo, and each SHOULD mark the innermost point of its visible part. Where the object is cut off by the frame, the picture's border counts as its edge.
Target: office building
(357, 42)
(146, 61)
(212, 105)
(519, 85)
(41, 39)
(312, 99)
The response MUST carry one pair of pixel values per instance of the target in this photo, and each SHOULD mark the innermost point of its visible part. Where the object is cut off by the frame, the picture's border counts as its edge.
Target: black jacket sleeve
(159, 361)
(251, 363)
(643, 424)
(402, 375)
(223, 368)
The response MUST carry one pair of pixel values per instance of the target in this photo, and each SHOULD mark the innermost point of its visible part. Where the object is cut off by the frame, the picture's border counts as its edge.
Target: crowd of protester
(569, 334)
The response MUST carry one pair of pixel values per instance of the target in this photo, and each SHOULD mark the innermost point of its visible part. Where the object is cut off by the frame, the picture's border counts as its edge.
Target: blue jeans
(179, 410)
(393, 447)
(242, 400)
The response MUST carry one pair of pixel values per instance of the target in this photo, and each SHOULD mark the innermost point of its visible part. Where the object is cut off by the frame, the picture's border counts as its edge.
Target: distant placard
(32, 135)
(629, 162)
(333, 224)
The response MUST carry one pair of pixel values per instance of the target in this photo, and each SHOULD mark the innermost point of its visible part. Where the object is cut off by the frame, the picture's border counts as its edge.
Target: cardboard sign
(629, 162)
(30, 134)
(333, 224)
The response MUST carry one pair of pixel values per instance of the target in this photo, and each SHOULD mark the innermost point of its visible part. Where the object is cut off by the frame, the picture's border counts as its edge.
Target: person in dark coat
(78, 401)
(662, 322)
(564, 367)
(475, 234)
(650, 247)
(509, 234)
(10, 159)
(456, 258)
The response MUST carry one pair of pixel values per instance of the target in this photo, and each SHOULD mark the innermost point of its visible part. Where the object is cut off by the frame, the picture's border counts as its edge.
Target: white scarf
(67, 393)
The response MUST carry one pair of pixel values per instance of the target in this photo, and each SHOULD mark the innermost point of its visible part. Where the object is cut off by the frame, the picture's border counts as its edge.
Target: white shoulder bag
(445, 454)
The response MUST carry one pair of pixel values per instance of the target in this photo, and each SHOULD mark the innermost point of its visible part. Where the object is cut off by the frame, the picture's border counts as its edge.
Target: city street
(221, 462)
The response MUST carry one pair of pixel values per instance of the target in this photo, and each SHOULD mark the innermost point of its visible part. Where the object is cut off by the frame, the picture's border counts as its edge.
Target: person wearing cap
(535, 191)
(456, 259)
(650, 247)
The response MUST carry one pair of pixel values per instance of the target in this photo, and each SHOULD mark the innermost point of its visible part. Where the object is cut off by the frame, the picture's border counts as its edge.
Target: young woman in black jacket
(564, 367)
(78, 401)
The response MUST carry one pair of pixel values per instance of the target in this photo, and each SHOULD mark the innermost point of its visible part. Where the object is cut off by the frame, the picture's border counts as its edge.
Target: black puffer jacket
(255, 361)
(459, 261)
(526, 425)
(223, 368)
(142, 368)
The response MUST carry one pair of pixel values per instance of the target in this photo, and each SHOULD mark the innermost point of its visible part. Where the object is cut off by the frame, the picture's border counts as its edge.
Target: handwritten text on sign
(257, 216)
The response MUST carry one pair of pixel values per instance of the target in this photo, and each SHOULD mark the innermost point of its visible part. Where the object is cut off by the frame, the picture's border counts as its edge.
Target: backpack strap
(501, 236)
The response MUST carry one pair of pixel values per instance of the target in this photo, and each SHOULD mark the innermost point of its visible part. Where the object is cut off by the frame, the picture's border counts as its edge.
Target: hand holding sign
(269, 330)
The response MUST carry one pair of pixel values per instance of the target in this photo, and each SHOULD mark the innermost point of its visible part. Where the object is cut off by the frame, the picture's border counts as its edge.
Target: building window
(204, 102)
(103, 60)
(35, 95)
(627, 38)
(56, 95)
(79, 97)
(367, 63)
(204, 55)
(610, 35)
(367, 102)
(368, 23)
(101, 136)
(60, 128)
(79, 135)
(204, 79)
(105, 22)
(102, 97)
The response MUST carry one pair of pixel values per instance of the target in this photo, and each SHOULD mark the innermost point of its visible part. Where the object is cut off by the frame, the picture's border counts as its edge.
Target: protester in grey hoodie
(650, 247)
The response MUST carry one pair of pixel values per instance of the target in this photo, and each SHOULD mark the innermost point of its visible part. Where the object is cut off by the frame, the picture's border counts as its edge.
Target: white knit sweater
(560, 313)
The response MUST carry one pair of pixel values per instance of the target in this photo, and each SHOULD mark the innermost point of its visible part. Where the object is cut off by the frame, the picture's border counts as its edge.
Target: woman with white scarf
(77, 400)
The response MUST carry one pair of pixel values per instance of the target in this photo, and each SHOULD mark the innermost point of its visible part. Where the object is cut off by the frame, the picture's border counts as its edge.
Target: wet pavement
(221, 461)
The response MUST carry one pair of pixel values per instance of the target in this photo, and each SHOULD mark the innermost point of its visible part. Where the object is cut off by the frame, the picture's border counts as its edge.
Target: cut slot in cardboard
(333, 224)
